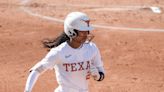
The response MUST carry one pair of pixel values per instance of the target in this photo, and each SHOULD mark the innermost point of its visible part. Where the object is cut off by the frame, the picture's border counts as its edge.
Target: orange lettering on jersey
(88, 65)
(73, 67)
(66, 66)
(81, 66)
(88, 75)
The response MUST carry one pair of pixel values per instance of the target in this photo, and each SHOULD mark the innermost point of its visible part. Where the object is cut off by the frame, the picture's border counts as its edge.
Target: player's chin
(83, 41)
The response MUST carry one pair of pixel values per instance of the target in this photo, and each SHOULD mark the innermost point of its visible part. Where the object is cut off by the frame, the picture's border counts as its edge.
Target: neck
(74, 44)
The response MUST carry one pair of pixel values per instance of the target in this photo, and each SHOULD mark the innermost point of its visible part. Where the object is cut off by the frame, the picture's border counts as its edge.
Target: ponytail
(51, 43)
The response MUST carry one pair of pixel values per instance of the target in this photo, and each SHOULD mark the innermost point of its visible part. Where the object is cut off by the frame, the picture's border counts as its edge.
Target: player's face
(82, 36)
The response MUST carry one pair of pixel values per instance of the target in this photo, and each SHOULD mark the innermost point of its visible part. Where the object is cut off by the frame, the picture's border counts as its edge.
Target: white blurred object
(23, 2)
(156, 9)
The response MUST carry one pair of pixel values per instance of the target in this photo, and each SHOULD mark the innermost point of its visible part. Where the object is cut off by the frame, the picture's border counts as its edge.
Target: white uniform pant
(68, 89)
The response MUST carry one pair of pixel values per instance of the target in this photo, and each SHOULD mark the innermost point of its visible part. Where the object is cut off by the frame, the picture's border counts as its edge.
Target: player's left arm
(97, 68)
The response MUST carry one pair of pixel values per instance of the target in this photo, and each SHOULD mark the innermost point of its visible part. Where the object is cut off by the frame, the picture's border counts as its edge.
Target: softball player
(73, 57)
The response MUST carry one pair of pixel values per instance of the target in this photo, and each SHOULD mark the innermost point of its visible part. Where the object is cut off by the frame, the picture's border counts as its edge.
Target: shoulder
(60, 47)
(91, 45)
(57, 50)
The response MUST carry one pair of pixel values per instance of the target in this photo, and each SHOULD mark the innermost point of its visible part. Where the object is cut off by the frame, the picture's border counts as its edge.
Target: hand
(26, 91)
(94, 72)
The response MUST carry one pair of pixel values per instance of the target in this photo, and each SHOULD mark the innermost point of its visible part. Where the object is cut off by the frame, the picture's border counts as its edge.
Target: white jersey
(72, 65)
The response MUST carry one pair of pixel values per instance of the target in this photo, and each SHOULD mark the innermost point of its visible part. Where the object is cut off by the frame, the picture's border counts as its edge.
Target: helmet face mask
(76, 21)
(89, 38)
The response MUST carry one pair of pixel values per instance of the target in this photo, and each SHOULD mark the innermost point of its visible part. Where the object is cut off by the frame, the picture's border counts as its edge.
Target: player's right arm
(46, 63)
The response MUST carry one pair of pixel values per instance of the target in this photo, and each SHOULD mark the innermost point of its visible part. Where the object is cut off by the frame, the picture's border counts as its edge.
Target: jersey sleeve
(52, 58)
(97, 61)
(48, 62)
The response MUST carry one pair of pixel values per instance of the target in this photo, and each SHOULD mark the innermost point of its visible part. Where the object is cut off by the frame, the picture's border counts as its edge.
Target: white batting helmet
(76, 21)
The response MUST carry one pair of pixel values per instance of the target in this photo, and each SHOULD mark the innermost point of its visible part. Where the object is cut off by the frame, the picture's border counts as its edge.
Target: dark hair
(51, 43)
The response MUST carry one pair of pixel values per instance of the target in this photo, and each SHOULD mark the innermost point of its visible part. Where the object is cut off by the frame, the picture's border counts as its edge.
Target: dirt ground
(133, 60)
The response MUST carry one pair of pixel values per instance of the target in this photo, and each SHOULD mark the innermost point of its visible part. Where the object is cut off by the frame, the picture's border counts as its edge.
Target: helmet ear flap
(73, 33)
